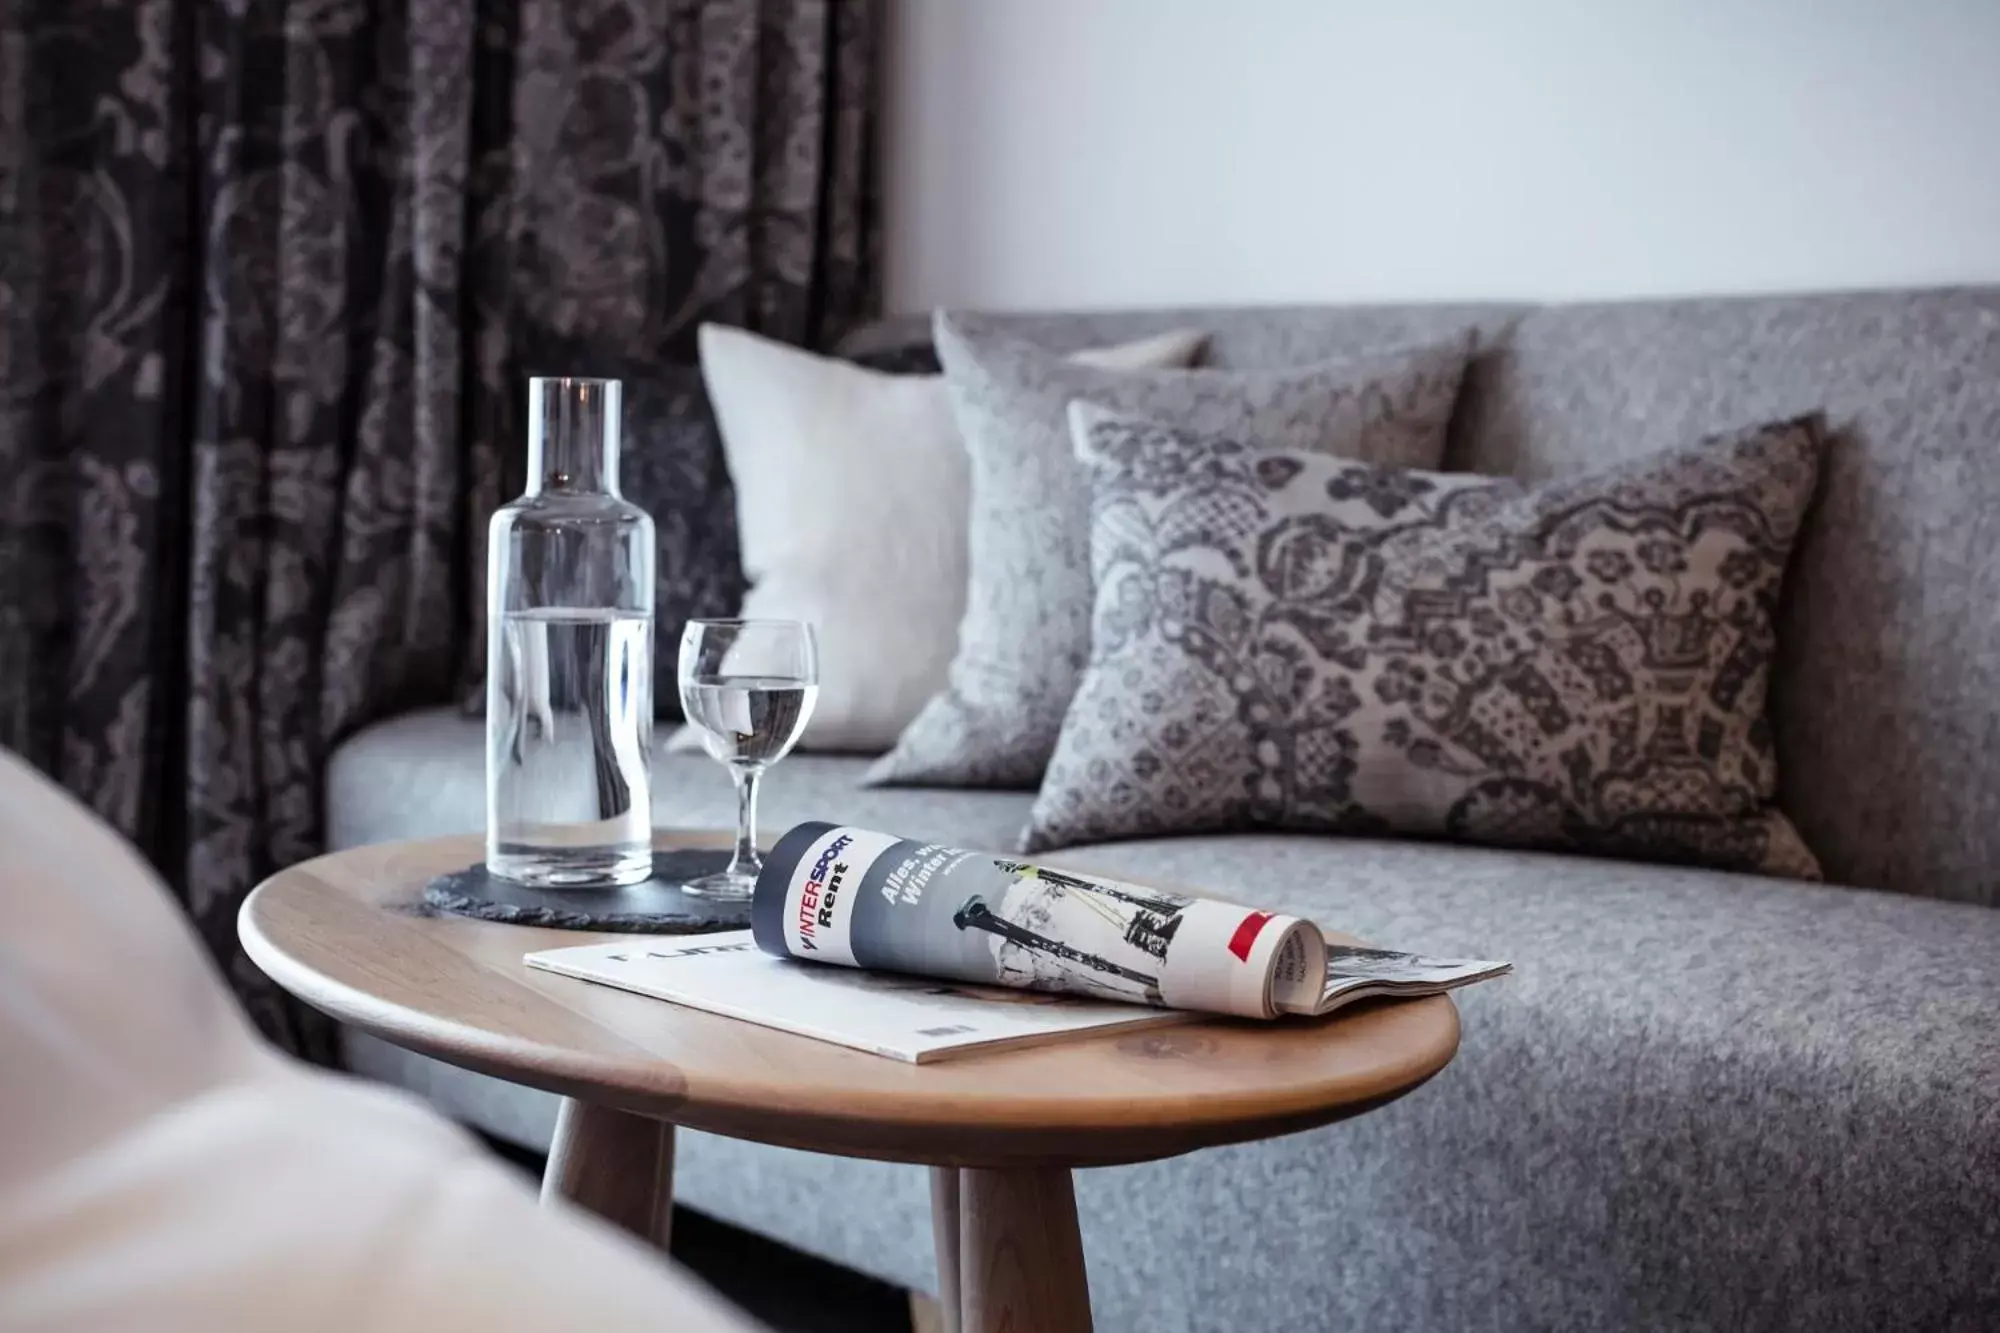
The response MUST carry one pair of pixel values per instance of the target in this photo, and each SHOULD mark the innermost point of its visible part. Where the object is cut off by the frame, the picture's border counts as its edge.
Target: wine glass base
(722, 887)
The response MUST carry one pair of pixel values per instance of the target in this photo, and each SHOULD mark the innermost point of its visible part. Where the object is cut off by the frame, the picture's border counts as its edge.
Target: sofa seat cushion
(424, 774)
(1796, 979)
(1703, 1099)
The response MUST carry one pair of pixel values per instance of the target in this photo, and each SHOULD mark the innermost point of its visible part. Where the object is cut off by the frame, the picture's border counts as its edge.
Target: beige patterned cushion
(1288, 640)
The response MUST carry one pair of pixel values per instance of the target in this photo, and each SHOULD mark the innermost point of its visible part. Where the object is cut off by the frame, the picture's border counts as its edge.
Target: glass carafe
(569, 661)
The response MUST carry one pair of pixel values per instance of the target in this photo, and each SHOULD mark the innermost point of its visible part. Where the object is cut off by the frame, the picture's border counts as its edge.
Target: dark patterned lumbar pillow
(1290, 640)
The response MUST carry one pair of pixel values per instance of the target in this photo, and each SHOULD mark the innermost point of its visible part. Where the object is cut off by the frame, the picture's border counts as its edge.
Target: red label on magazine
(1246, 934)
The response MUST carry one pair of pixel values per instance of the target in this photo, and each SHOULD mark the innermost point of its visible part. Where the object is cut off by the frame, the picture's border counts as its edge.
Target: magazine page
(917, 1019)
(851, 896)
(1354, 972)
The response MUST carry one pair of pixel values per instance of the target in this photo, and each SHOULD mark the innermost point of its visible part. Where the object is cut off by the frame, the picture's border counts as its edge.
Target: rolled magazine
(831, 893)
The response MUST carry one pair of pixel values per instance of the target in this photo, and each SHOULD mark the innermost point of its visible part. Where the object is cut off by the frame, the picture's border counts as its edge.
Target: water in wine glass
(748, 719)
(747, 687)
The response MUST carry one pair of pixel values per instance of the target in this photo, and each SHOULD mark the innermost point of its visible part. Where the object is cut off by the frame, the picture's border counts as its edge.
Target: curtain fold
(271, 275)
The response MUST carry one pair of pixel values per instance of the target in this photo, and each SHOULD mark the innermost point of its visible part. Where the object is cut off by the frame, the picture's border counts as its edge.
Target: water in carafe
(572, 794)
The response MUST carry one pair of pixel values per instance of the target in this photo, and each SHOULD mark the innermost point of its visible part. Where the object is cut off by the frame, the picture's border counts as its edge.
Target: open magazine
(915, 914)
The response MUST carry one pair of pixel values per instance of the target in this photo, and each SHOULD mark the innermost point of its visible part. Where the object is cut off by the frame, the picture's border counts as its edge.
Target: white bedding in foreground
(162, 1168)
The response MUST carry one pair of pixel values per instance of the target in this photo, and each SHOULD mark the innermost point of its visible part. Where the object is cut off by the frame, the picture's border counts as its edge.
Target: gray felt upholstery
(424, 773)
(1887, 697)
(1704, 1101)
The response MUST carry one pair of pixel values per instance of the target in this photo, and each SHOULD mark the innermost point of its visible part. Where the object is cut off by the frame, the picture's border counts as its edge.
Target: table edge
(1096, 1137)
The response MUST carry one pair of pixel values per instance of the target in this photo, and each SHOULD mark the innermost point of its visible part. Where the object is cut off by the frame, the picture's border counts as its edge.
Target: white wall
(1073, 153)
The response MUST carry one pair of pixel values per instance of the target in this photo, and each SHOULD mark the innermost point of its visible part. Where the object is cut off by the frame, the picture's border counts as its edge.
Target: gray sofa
(1704, 1100)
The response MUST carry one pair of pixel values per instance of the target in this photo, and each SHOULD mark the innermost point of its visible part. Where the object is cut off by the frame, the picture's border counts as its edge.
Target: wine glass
(747, 687)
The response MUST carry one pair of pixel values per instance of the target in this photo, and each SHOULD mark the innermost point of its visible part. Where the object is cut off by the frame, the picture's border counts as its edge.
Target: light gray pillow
(1026, 631)
(1287, 640)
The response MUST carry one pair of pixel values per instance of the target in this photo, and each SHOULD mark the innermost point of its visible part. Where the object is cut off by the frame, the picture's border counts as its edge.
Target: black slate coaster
(659, 906)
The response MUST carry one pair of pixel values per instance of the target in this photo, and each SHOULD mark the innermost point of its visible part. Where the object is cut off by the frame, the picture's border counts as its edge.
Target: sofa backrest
(1237, 335)
(1886, 698)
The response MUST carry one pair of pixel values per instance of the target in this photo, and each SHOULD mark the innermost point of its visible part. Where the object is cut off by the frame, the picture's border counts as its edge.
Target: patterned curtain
(271, 272)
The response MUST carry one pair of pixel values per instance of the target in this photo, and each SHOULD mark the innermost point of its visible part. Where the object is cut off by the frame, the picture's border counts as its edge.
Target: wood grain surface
(945, 1241)
(1020, 1253)
(615, 1164)
(344, 932)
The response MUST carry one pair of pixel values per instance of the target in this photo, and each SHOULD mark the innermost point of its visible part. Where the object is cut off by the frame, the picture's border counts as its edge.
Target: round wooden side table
(344, 933)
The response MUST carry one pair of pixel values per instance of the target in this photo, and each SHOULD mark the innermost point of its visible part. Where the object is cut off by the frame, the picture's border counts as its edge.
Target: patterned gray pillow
(1026, 632)
(1286, 640)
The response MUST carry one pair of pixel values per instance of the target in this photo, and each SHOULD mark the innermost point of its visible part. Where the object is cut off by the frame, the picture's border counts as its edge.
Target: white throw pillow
(852, 491)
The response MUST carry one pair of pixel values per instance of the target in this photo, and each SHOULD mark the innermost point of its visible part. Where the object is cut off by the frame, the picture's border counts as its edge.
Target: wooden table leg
(945, 1238)
(1020, 1253)
(615, 1164)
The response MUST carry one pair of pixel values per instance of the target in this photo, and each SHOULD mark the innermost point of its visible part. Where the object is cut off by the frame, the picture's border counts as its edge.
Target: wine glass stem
(746, 861)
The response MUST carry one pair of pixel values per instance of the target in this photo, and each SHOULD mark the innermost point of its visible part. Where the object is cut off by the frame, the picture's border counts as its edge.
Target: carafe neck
(573, 431)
